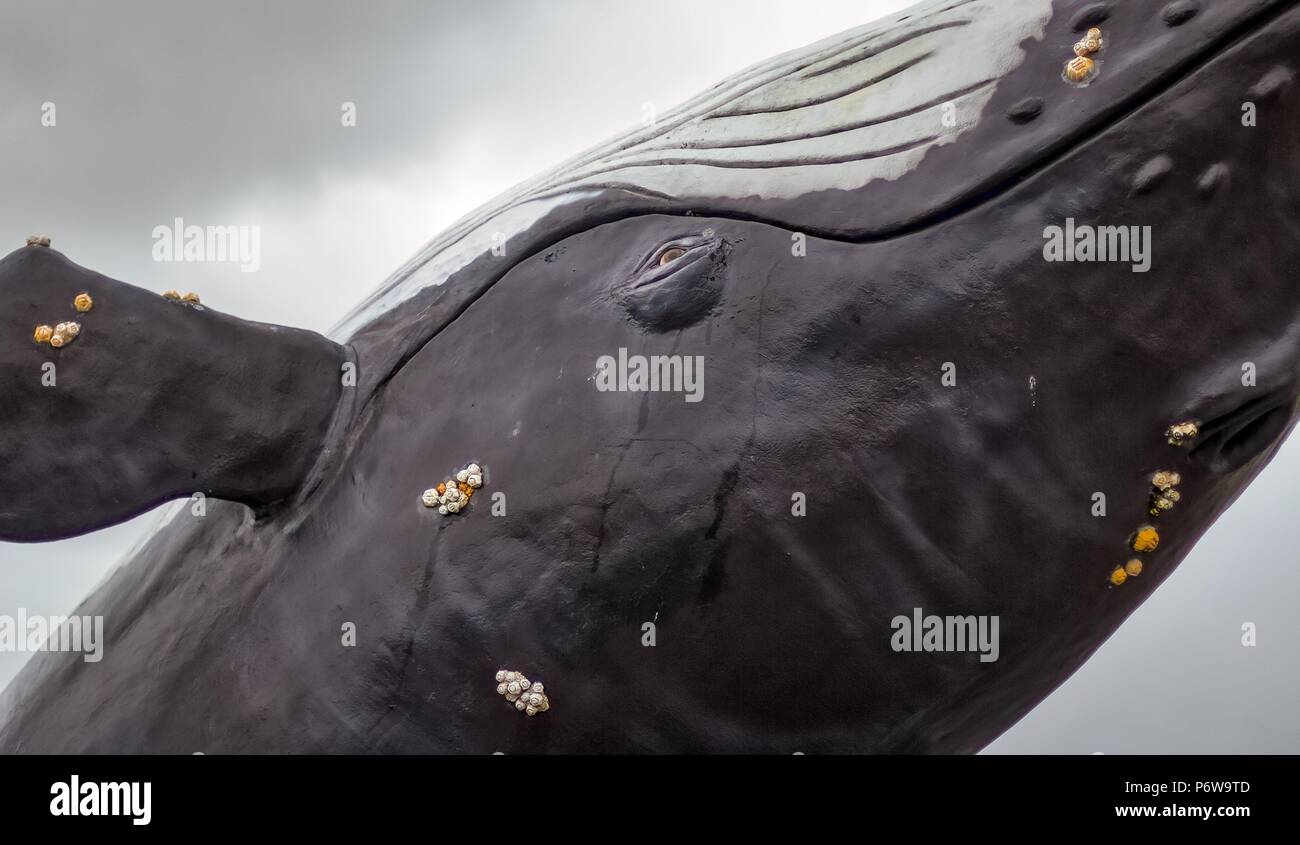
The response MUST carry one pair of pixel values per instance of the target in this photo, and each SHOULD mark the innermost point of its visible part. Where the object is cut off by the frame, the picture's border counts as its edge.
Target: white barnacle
(474, 481)
(442, 510)
(473, 469)
(1165, 479)
(430, 497)
(462, 475)
(527, 696)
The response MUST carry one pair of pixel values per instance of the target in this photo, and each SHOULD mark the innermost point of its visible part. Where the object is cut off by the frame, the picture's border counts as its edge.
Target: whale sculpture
(926, 322)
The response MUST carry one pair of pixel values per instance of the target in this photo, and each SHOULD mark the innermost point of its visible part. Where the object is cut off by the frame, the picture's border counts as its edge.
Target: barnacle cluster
(63, 333)
(1082, 65)
(1164, 496)
(454, 494)
(525, 695)
(1163, 493)
(192, 298)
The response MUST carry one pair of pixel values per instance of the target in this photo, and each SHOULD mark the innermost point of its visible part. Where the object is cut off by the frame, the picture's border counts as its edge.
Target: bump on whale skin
(822, 376)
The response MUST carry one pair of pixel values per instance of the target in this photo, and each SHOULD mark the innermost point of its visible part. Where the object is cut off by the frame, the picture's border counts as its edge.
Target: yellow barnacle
(1146, 539)
(1180, 433)
(43, 334)
(191, 297)
(1079, 68)
(171, 294)
(1133, 568)
(1119, 576)
(83, 303)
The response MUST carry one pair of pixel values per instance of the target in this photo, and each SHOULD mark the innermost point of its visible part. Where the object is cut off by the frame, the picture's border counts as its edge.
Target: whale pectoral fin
(131, 399)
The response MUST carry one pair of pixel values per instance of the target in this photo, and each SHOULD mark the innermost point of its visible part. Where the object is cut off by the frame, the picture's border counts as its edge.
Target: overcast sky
(229, 113)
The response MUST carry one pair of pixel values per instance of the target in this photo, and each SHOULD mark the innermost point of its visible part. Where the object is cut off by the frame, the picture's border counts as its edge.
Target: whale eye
(676, 284)
(670, 255)
(675, 254)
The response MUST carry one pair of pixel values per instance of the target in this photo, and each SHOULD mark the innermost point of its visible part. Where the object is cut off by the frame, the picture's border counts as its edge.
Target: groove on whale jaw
(823, 318)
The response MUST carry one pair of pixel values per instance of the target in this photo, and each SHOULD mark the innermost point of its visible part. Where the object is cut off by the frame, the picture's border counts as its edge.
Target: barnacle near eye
(670, 255)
